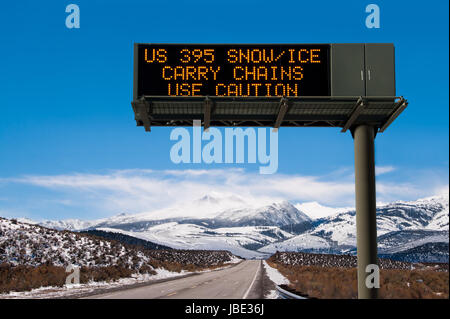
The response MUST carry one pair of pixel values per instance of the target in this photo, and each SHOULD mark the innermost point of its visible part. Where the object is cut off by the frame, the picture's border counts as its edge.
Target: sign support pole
(366, 227)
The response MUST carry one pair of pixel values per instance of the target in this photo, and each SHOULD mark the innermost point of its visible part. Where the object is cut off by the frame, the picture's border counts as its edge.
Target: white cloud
(442, 190)
(136, 190)
(379, 170)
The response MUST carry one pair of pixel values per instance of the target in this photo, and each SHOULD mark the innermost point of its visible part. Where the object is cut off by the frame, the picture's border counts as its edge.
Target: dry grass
(341, 283)
(25, 278)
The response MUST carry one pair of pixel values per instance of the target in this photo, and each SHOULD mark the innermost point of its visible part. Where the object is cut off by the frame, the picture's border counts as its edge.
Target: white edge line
(253, 281)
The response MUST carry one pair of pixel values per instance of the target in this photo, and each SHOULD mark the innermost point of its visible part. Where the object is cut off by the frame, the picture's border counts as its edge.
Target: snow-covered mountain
(315, 210)
(241, 241)
(241, 227)
(401, 226)
(230, 209)
(252, 231)
(67, 224)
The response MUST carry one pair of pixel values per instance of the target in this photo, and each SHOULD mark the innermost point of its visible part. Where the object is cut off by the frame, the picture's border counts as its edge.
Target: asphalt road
(238, 282)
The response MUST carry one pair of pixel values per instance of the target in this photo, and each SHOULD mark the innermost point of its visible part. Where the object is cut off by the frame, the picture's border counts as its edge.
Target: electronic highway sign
(237, 70)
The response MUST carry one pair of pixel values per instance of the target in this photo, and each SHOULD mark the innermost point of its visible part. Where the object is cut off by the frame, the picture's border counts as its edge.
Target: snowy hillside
(32, 245)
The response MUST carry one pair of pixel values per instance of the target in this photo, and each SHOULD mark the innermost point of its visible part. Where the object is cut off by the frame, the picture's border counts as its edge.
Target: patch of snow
(272, 294)
(275, 275)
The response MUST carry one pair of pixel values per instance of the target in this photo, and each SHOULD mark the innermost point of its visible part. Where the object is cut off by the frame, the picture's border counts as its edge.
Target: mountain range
(410, 231)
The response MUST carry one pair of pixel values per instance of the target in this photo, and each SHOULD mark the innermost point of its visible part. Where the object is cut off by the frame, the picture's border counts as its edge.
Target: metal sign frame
(337, 111)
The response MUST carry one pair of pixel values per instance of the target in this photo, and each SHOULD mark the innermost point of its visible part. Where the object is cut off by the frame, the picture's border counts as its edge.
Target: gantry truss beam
(309, 111)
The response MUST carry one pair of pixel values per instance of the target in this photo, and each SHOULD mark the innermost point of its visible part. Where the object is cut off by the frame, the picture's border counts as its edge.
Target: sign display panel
(237, 70)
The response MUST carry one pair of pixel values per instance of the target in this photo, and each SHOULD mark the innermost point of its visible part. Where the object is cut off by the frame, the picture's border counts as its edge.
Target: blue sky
(65, 103)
